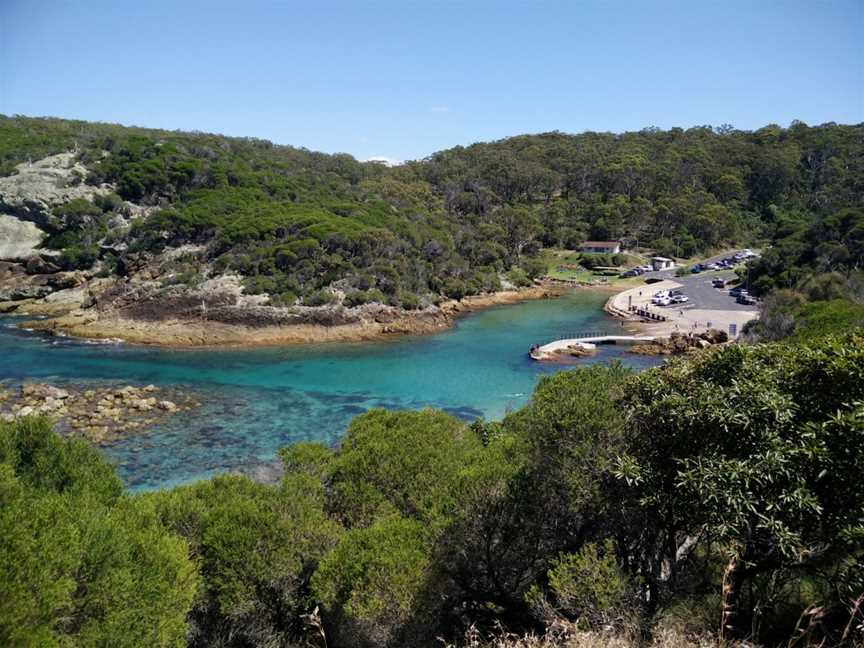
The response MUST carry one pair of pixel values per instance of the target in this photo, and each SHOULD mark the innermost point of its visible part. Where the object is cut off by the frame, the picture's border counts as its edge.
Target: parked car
(719, 282)
(679, 299)
(738, 290)
(746, 299)
(646, 268)
(661, 301)
(660, 293)
(696, 269)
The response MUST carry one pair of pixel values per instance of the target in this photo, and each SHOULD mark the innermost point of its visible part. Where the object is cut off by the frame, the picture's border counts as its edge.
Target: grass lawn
(565, 265)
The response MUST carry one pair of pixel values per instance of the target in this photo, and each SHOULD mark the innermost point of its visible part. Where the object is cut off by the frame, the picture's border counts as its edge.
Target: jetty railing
(571, 335)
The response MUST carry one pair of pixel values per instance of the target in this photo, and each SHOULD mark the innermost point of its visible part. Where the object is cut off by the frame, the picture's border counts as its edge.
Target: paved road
(700, 291)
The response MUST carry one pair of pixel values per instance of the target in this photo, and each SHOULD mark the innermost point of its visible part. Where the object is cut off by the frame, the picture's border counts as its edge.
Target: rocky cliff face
(39, 186)
(28, 272)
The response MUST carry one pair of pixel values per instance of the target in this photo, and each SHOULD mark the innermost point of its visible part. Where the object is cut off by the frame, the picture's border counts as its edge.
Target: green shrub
(320, 298)
(588, 586)
(283, 300)
(360, 297)
(256, 546)
(518, 277)
(405, 462)
(408, 300)
(371, 585)
(79, 563)
(78, 257)
(533, 267)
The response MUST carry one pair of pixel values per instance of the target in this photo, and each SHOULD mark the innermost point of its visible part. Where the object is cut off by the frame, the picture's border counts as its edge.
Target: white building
(662, 263)
(601, 247)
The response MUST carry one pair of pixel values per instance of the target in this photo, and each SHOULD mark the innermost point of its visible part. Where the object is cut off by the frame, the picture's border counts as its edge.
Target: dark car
(696, 269)
(746, 299)
(738, 291)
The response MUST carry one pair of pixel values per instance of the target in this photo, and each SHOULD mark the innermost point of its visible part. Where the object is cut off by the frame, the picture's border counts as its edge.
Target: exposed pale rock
(71, 296)
(31, 193)
(19, 239)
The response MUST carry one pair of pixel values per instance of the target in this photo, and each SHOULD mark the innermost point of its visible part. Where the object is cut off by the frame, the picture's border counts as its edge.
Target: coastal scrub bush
(81, 564)
(77, 257)
(403, 462)
(455, 289)
(257, 547)
(541, 487)
(588, 587)
(283, 300)
(320, 298)
(360, 297)
(518, 277)
(409, 300)
(753, 446)
(371, 586)
(534, 267)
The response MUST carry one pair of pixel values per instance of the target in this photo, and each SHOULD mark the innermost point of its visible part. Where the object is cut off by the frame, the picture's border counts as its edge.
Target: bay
(255, 401)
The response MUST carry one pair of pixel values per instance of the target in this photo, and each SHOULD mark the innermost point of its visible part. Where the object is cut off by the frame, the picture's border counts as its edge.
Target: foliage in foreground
(717, 497)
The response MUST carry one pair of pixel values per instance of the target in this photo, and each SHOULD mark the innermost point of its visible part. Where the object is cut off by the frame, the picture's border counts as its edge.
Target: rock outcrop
(19, 239)
(38, 187)
(681, 343)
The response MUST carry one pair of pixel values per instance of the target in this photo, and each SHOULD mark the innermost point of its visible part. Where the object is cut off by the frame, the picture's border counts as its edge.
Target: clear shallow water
(255, 401)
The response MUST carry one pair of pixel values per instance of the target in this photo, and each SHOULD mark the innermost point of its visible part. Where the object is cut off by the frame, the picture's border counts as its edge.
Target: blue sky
(404, 79)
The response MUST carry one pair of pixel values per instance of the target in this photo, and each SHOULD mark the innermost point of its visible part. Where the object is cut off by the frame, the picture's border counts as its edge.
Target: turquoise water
(255, 401)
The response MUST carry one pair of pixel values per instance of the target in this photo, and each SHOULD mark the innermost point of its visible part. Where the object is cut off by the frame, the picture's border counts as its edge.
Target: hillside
(124, 224)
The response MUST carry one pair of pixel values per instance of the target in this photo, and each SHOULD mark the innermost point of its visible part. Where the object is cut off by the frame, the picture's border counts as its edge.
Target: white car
(679, 299)
(661, 293)
(661, 301)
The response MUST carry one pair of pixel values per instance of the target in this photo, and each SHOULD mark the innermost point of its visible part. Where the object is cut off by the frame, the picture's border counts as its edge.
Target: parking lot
(707, 306)
(705, 296)
(701, 292)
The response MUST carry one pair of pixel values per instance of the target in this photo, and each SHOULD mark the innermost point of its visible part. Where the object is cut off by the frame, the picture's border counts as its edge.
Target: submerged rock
(101, 414)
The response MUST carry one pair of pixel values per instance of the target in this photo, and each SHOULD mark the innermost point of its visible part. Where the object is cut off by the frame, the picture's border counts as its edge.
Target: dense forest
(298, 224)
(716, 497)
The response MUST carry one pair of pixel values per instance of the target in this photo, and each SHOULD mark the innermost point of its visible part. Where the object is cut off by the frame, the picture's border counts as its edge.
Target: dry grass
(562, 634)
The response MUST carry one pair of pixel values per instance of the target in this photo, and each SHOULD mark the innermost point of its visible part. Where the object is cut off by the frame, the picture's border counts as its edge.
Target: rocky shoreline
(99, 414)
(249, 325)
(678, 343)
(174, 295)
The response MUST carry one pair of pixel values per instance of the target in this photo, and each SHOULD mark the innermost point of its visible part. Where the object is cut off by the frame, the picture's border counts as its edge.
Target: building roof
(600, 243)
(660, 259)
